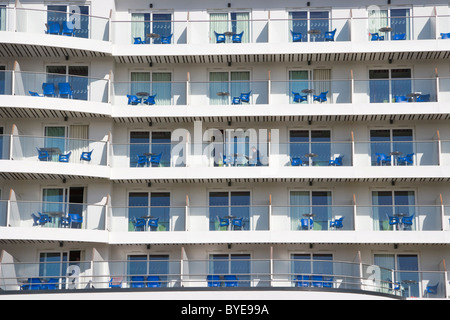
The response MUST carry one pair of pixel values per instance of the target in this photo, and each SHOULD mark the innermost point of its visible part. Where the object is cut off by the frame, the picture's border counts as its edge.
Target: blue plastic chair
(139, 224)
(86, 156)
(408, 220)
(133, 100)
(423, 98)
(150, 100)
(445, 35)
(33, 284)
(432, 289)
(400, 99)
(399, 36)
(336, 162)
(166, 39)
(153, 282)
(153, 223)
(307, 224)
(38, 221)
(220, 37)
(406, 160)
(223, 222)
(213, 281)
(77, 219)
(65, 90)
(231, 281)
(227, 160)
(245, 97)
(48, 90)
(115, 282)
(142, 161)
(321, 98)
(302, 281)
(44, 218)
(296, 162)
(328, 282)
(51, 284)
(299, 98)
(43, 155)
(237, 223)
(337, 223)
(138, 40)
(53, 28)
(383, 159)
(317, 281)
(376, 37)
(329, 35)
(155, 160)
(296, 36)
(65, 157)
(137, 282)
(35, 94)
(68, 29)
(237, 38)
(393, 221)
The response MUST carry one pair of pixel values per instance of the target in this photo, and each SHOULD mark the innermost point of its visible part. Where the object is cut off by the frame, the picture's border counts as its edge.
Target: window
(145, 204)
(391, 143)
(303, 21)
(3, 78)
(76, 76)
(77, 15)
(233, 22)
(226, 85)
(148, 26)
(316, 81)
(388, 85)
(392, 203)
(320, 266)
(143, 143)
(398, 19)
(318, 142)
(304, 203)
(153, 83)
(60, 201)
(2, 18)
(60, 266)
(147, 265)
(2, 145)
(406, 275)
(232, 264)
(229, 204)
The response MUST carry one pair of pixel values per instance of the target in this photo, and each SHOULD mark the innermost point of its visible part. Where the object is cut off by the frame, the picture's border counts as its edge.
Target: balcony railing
(308, 154)
(157, 93)
(149, 219)
(398, 153)
(58, 23)
(231, 218)
(52, 85)
(226, 273)
(45, 214)
(316, 217)
(54, 149)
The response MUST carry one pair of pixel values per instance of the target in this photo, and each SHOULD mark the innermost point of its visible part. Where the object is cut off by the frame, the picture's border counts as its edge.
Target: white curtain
(218, 23)
(240, 83)
(138, 26)
(322, 83)
(218, 84)
(378, 19)
(140, 82)
(2, 18)
(78, 142)
(387, 263)
(162, 87)
(300, 204)
(298, 81)
(243, 25)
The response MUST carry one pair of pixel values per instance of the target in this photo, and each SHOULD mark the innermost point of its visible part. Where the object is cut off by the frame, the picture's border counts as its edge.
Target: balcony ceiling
(225, 182)
(269, 119)
(18, 176)
(13, 112)
(284, 57)
(13, 50)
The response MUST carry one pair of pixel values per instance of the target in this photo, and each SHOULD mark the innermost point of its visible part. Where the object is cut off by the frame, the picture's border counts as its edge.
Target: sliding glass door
(229, 204)
(315, 205)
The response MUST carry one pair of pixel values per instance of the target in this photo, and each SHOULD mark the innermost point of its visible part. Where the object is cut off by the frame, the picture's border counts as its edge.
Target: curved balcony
(51, 33)
(66, 94)
(54, 156)
(324, 277)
